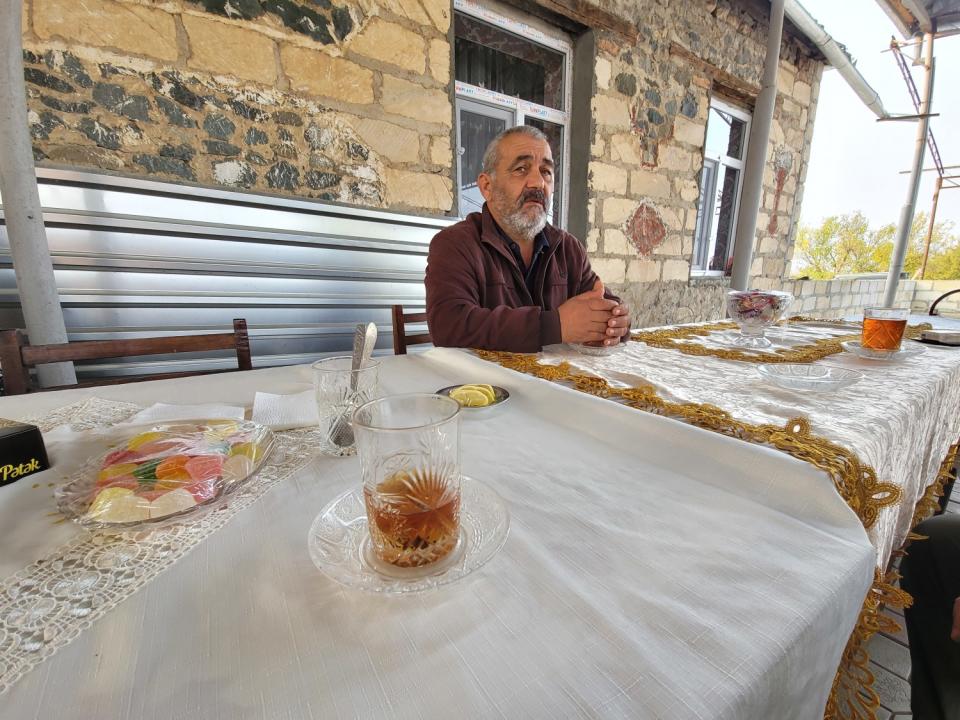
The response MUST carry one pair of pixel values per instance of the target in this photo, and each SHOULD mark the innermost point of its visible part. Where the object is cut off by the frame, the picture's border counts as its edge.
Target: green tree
(944, 266)
(844, 244)
(839, 245)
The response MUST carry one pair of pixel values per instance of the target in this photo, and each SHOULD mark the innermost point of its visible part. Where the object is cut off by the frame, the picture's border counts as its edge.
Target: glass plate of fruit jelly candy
(164, 472)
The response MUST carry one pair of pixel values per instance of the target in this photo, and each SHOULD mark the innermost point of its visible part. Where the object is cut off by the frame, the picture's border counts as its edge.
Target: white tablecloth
(652, 570)
(900, 419)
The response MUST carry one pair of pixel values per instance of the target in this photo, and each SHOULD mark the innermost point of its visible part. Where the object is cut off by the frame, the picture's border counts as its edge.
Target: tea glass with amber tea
(883, 328)
(409, 447)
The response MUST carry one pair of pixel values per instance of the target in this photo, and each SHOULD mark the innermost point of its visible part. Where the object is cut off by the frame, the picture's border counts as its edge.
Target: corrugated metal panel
(138, 258)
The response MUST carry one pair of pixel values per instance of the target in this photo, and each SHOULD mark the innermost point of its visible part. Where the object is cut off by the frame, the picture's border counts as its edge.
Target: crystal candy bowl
(812, 378)
(158, 474)
(754, 311)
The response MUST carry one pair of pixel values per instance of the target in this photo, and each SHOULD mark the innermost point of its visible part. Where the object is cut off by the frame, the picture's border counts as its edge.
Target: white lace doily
(49, 603)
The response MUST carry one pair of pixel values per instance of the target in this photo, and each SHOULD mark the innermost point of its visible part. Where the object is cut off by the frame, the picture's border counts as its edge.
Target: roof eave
(909, 16)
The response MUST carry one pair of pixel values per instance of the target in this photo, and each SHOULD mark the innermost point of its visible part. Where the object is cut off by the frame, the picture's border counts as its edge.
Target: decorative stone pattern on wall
(650, 115)
(342, 102)
(317, 19)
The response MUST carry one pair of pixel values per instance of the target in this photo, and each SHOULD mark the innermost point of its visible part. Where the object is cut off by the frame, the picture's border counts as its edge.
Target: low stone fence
(655, 304)
(843, 297)
(840, 297)
(929, 290)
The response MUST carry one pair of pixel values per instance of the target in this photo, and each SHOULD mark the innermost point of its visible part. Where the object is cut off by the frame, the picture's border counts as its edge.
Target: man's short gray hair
(492, 155)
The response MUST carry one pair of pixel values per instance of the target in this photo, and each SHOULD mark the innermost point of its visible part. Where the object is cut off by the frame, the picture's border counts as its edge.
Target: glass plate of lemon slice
(474, 398)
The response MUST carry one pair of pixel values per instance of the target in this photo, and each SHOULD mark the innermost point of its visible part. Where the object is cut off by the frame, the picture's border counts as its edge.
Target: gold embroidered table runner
(797, 340)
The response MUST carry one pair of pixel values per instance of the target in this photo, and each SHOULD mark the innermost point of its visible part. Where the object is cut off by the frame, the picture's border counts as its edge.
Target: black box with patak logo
(21, 451)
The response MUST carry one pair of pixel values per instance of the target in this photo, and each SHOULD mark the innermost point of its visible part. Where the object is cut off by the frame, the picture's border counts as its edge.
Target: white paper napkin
(284, 412)
(162, 412)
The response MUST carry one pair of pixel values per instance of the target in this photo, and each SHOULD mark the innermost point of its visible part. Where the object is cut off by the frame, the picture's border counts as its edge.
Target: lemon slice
(485, 389)
(468, 397)
(144, 438)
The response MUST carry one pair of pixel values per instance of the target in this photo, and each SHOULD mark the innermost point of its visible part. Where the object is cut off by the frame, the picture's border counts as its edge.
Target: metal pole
(933, 217)
(757, 154)
(906, 213)
(32, 265)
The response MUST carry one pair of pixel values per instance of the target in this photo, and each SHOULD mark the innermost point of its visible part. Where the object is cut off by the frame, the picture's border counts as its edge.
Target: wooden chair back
(17, 355)
(400, 338)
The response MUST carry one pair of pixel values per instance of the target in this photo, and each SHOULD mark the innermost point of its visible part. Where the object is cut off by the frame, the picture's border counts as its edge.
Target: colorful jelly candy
(168, 470)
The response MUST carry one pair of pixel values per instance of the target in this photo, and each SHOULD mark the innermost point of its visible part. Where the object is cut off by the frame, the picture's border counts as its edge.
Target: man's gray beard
(516, 222)
(525, 226)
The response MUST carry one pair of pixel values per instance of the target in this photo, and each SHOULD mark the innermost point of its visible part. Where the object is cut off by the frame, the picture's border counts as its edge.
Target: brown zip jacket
(476, 295)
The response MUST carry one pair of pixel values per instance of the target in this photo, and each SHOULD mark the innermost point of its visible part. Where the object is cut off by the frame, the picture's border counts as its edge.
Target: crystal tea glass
(409, 448)
(883, 327)
(340, 390)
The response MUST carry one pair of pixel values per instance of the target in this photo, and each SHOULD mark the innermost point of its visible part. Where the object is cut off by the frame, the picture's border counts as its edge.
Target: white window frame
(488, 110)
(722, 162)
(514, 22)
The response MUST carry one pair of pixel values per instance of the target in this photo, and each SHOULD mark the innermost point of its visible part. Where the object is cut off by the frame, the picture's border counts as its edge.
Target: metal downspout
(757, 154)
(32, 265)
(906, 213)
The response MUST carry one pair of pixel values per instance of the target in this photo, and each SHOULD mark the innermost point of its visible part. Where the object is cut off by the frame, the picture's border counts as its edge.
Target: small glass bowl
(754, 311)
(812, 378)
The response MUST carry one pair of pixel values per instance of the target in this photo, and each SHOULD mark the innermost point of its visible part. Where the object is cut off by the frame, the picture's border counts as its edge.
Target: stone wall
(344, 102)
(839, 298)
(929, 290)
(650, 110)
(352, 102)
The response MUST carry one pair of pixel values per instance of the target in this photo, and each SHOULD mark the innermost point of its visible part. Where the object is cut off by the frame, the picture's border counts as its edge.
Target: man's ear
(485, 183)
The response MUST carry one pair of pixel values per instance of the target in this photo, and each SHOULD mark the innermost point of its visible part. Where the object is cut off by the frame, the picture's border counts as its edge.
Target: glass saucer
(596, 350)
(905, 351)
(339, 544)
(815, 378)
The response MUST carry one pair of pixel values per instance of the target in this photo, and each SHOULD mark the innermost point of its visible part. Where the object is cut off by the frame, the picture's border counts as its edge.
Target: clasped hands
(591, 318)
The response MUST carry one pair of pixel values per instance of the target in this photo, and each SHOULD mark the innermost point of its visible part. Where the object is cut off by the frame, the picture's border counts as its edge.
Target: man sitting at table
(504, 279)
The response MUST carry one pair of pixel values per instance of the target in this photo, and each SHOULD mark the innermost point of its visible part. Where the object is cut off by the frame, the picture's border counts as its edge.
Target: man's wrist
(550, 330)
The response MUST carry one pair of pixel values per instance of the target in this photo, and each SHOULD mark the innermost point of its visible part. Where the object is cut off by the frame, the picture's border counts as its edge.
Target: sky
(855, 161)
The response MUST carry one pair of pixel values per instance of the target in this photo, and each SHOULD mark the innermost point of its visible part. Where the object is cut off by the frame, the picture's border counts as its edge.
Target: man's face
(521, 188)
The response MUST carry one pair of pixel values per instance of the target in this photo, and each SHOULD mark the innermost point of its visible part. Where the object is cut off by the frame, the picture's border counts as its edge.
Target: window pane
(737, 140)
(708, 185)
(554, 135)
(494, 59)
(724, 211)
(476, 132)
(726, 135)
